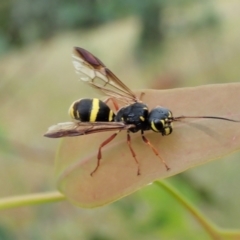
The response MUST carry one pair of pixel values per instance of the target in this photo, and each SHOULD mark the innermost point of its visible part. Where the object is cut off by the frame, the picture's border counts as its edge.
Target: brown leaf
(193, 142)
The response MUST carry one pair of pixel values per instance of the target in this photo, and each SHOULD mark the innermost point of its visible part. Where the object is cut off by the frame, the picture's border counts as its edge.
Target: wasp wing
(72, 129)
(93, 71)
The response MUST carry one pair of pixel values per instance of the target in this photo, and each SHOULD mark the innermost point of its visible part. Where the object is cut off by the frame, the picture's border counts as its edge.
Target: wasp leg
(115, 104)
(154, 150)
(133, 153)
(99, 156)
(141, 96)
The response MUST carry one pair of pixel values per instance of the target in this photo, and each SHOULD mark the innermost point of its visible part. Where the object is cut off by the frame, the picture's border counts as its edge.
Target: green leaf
(193, 142)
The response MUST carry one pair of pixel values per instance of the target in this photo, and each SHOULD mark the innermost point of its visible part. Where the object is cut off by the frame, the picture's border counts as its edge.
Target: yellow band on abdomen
(110, 116)
(94, 110)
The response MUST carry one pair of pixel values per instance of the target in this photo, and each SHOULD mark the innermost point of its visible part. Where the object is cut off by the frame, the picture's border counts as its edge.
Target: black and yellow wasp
(94, 115)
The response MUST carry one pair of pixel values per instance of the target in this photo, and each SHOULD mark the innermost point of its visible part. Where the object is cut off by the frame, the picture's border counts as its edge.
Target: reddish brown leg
(154, 150)
(115, 104)
(141, 96)
(99, 156)
(133, 153)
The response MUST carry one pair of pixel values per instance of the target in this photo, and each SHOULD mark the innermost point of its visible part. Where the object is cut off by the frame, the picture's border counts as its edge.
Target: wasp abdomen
(160, 120)
(91, 110)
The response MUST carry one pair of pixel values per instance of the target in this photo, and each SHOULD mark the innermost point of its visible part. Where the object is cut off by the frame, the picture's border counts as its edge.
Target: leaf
(193, 142)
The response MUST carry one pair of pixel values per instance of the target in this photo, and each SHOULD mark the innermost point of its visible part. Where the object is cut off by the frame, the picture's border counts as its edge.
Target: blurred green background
(148, 44)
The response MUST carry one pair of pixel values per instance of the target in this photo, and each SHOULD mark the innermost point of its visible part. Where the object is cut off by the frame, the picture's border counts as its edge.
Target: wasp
(94, 115)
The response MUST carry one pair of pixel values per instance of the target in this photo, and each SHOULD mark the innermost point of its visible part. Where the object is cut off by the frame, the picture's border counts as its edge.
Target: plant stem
(30, 199)
(210, 228)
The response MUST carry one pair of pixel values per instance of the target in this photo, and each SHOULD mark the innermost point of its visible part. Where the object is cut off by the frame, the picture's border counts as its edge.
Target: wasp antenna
(209, 117)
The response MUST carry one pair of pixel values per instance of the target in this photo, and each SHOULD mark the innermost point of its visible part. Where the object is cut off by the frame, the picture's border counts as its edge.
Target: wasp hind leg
(154, 150)
(99, 156)
(115, 104)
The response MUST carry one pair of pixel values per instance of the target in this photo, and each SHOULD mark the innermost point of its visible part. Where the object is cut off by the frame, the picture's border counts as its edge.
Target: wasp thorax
(160, 120)
(136, 113)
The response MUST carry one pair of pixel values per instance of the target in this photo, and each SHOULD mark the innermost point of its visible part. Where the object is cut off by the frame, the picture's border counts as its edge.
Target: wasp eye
(157, 125)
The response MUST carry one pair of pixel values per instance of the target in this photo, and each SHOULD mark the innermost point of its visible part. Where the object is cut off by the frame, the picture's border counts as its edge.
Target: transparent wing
(72, 129)
(92, 71)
